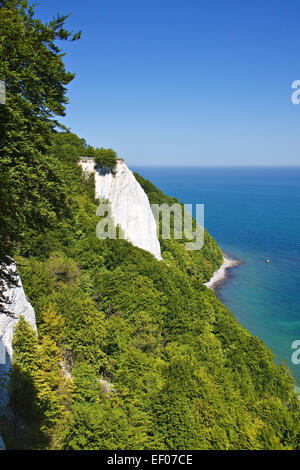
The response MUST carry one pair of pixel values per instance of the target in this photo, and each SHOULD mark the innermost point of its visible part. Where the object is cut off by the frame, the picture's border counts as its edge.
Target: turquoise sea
(254, 214)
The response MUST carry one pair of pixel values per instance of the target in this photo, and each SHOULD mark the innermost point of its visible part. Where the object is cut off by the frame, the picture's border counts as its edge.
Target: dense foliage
(106, 158)
(31, 192)
(152, 359)
(132, 352)
(198, 263)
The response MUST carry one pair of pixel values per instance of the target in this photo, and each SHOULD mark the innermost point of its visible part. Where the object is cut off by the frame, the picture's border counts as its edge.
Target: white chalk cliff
(130, 207)
(18, 306)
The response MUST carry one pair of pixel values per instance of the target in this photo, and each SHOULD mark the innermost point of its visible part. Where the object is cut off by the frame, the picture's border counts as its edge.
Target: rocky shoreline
(220, 275)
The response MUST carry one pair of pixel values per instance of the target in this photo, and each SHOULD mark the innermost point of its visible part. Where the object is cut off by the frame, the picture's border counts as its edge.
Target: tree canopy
(154, 359)
(32, 67)
(106, 158)
(132, 352)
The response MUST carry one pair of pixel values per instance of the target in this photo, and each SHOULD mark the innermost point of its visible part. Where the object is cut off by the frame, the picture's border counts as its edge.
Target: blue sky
(188, 82)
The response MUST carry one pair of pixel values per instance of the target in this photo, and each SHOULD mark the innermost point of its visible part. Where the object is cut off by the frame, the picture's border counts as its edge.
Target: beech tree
(32, 67)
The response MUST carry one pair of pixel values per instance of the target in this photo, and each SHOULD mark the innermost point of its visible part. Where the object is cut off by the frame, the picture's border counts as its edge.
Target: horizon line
(213, 166)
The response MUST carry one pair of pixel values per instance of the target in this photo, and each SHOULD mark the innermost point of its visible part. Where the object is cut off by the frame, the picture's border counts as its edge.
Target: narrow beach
(220, 275)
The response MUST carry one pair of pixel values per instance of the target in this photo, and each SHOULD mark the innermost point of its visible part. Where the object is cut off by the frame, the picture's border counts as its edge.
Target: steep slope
(185, 374)
(129, 204)
(18, 306)
(198, 263)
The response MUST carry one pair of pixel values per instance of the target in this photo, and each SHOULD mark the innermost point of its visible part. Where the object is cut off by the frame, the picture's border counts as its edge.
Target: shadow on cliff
(5, 365)
(21, 419)
(104, 170)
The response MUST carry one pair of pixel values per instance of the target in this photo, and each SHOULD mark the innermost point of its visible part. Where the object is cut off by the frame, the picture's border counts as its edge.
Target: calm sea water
(254, 214)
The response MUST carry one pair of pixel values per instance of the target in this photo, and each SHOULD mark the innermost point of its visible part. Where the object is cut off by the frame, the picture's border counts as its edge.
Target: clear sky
(189, 82)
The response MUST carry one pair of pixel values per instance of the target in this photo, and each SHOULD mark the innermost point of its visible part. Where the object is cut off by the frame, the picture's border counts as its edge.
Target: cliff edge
(129, 204)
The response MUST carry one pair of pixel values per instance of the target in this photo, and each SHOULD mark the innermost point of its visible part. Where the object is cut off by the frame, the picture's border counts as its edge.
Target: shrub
(106, 158)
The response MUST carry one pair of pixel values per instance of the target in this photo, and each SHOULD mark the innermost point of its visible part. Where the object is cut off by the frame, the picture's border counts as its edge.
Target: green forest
(131, 352)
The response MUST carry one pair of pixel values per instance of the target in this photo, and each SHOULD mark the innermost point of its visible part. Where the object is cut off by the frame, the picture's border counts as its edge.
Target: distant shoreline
(220, 275)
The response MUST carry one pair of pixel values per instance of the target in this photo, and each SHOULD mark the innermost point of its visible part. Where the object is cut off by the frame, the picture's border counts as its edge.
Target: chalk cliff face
(19, 305)
(129, 205)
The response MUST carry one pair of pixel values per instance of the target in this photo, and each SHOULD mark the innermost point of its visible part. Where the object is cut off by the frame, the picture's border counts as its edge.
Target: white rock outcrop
(18, 306)
(130, 207)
